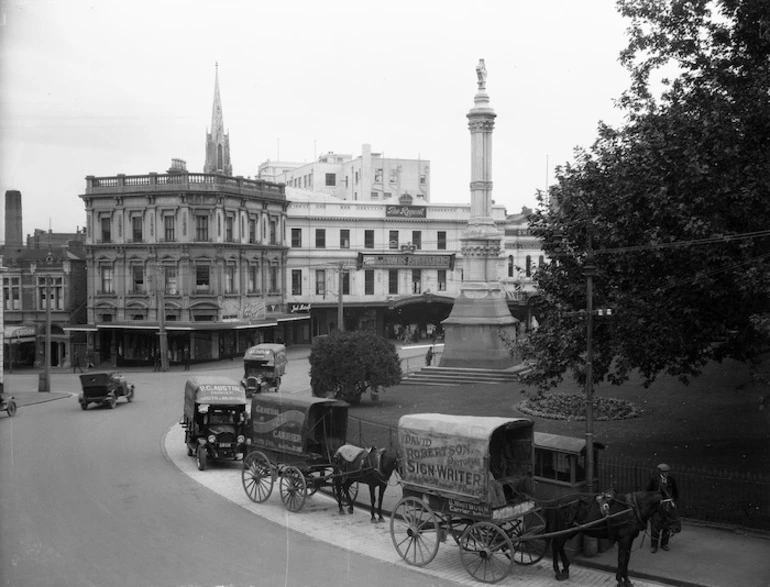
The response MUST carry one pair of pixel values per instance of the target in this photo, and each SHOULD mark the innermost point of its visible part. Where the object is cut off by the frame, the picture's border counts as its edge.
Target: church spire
(217, 141)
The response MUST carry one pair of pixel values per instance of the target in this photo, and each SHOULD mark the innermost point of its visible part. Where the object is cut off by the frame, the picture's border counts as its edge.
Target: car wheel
(83, 405)
(11, 408)
(201, 458)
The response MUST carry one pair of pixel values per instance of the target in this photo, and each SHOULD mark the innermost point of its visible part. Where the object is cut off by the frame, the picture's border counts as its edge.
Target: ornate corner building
(200, 257)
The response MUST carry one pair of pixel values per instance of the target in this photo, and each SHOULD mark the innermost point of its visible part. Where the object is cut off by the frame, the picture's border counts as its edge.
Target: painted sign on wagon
(440, 461)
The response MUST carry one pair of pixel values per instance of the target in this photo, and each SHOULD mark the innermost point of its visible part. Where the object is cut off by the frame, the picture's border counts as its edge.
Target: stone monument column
(480, 313)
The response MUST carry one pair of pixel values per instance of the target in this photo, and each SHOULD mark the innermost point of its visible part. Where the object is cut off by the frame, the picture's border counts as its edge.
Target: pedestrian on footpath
(76, 363)
(89, 359)
(429, 356)
(664, 483)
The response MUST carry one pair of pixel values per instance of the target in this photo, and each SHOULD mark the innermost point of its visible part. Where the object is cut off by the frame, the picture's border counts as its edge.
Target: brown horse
(370, 467)
(618, 518)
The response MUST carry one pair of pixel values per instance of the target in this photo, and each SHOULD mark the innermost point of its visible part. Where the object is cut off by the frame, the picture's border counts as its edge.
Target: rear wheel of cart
(414, 529)
(485, 551)
(201, 457)
(293, 489)
(257, 477)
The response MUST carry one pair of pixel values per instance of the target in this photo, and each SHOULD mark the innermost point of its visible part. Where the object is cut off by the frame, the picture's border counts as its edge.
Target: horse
(619, 518)
(372, 467)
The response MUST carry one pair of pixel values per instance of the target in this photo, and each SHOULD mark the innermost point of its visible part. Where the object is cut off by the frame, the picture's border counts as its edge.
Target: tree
(344, 365)
(675, 205)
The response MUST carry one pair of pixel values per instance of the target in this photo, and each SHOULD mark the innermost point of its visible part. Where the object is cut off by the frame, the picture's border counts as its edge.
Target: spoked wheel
(414, 529)
(485, 551)
(257, 477)
(531, 549)
(11, 408)
(293, 489)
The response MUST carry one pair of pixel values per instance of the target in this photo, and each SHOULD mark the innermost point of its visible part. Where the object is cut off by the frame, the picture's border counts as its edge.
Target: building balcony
(174, 183)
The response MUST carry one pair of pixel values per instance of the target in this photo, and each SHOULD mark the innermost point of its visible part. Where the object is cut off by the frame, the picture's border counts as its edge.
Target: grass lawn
(710, 424)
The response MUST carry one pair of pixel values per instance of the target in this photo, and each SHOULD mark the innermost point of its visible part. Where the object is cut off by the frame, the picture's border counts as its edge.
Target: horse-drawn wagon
(468, 477)
(293, 440)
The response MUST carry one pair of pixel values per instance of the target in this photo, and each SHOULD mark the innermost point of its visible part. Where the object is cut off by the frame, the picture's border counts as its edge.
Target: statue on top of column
(481, 72)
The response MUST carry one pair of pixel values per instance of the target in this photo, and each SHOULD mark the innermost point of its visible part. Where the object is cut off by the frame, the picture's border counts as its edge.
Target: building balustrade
(197, 181)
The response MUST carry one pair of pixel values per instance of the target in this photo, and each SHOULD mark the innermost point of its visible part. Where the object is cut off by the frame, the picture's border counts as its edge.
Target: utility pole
(45, 382)
(340, 322)
(589, 270)
(161, 310)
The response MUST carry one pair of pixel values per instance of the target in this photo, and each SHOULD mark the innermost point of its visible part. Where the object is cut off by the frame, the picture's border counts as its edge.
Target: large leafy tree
(674, 204)
(344, 365)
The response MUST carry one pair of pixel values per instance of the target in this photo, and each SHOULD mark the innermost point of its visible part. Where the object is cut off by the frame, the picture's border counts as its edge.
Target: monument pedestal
(472, 331)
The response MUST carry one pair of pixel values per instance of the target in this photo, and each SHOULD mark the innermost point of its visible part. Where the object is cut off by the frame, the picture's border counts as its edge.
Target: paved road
(91, 499)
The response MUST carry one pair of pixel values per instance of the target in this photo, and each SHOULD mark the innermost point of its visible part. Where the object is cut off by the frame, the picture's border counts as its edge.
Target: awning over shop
(80, 328)
(18, 333)
(174, 326)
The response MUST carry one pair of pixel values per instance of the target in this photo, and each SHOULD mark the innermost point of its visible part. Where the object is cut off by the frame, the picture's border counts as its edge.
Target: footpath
(700, 556)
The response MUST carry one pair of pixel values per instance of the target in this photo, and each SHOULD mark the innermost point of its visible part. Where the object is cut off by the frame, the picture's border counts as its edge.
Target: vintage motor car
(104, 389)
(263, 366)
(215, 419)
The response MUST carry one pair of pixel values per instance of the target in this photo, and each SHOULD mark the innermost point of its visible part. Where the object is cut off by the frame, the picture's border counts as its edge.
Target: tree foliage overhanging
(676, 202)
(343, 365)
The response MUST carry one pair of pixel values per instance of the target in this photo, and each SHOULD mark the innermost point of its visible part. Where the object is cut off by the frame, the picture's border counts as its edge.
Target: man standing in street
(76, 363)
(666, 485)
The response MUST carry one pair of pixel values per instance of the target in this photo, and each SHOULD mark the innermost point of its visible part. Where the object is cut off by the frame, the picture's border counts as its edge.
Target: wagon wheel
(531, 549)
(11, 408)
(485, 551)
(414, 529)
(293, 489)
(257, 477)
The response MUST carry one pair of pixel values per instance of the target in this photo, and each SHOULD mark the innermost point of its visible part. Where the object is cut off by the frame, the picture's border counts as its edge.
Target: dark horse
(370, 466)
(619, 518)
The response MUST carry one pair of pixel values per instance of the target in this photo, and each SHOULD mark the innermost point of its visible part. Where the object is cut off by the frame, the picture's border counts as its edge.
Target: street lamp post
(589, 270)
(161, 311)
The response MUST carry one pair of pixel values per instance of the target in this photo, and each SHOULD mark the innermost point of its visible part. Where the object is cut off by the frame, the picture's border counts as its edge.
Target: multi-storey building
(43, 282)
(523, 256)
(368, 177)
(389, 267)
(196, 257)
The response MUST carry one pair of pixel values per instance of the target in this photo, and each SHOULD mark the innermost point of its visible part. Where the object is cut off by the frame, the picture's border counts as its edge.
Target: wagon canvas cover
(451, 454)
(286, 424)
(213, 391)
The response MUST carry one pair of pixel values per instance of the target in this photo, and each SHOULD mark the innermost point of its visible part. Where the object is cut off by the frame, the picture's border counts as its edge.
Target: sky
(107, 87)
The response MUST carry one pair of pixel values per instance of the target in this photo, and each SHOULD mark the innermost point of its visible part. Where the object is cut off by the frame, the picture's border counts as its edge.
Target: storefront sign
(406, 212)
(405, 260)
(297, 308)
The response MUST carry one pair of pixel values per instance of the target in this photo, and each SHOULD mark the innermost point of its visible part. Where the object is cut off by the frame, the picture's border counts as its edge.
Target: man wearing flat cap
(666, 485)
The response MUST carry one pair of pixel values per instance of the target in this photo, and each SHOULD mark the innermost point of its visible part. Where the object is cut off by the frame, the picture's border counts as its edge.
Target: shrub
(343, 365)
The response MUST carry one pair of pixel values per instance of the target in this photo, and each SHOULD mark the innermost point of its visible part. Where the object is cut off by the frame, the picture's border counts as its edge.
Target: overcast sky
(107, 87)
